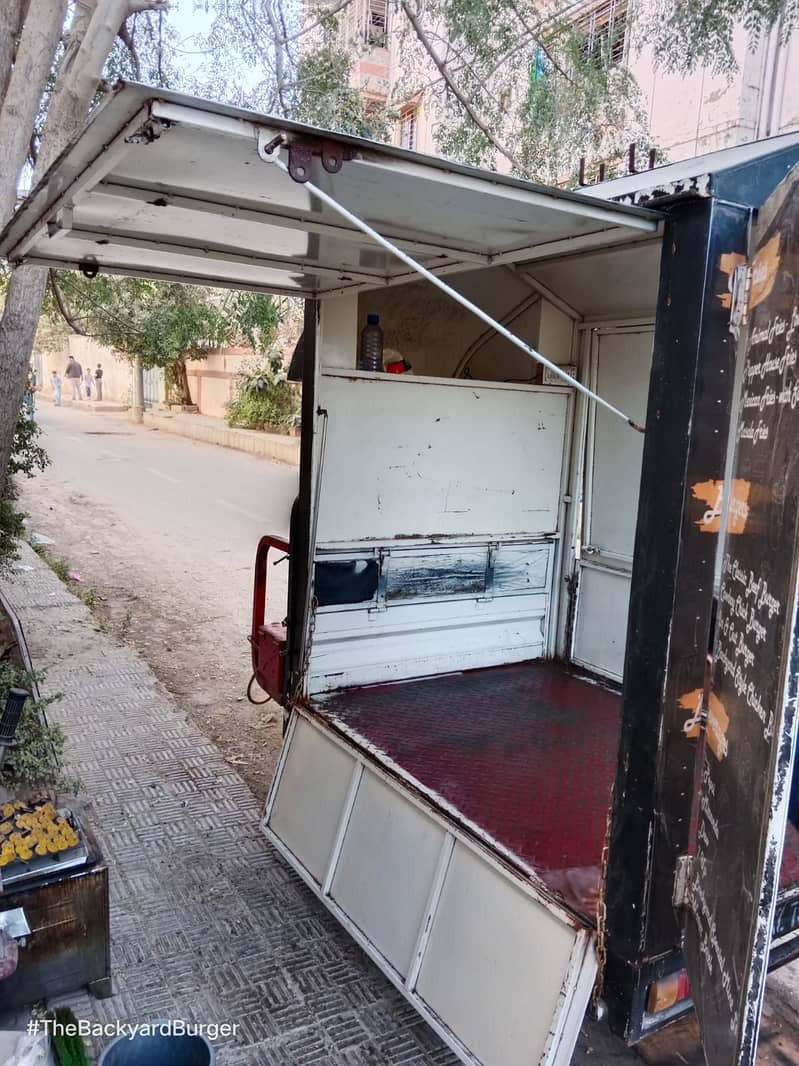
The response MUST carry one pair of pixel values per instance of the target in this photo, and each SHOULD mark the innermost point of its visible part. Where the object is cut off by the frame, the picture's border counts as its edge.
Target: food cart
(504, 770)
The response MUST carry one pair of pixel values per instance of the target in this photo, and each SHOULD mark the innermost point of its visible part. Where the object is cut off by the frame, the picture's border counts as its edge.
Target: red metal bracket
(332, 154)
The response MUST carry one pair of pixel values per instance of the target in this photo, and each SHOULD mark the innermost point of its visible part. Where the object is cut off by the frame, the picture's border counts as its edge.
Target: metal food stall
(505, 770)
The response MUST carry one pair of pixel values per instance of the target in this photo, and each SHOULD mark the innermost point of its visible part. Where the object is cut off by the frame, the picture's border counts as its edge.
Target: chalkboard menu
(752, 703)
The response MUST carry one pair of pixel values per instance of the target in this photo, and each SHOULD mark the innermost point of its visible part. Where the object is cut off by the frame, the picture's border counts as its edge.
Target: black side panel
(750, 183)
(748, 753)
(671, 594)
(300, 532)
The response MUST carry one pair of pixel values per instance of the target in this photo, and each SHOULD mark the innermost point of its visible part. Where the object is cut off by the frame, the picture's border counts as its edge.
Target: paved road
(163, 532)
(195, 498)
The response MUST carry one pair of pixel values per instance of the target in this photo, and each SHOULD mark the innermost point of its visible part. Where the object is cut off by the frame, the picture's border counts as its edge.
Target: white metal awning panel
(169, 186)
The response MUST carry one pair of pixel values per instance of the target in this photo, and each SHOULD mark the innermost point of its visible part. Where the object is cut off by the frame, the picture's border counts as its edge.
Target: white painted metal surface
(695, 173)
(269, 150)
(388, 899)
(608, 283)
(621, 364)
(453, 488)
(600, 627)
(366, 646)
(431, 457)
(169, 186)
(489, 964)
(499, 969)
(309, 816)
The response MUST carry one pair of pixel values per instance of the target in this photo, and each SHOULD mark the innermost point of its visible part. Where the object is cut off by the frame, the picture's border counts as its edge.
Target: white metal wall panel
(495, 964)
(314, 784)
(426, 457)
(362, 647)
(600, 632)
(501, 972)
(386, 869)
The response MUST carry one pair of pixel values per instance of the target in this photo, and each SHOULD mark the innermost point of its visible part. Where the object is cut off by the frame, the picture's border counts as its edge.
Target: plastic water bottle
(371, 345)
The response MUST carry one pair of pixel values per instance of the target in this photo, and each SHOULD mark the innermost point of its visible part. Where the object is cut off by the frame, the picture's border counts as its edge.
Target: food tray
(43, 865)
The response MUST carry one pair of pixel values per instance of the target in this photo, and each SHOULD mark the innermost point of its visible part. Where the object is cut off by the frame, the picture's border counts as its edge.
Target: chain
(602, 914)
(306, 654)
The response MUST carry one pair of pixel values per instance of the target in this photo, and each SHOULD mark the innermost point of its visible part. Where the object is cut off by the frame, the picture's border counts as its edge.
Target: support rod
(270, 154)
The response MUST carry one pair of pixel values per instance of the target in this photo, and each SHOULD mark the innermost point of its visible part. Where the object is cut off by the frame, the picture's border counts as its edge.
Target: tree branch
(126, 35)
(328, 14)
(92, 33)
(465, 103)
(61, 304)
(135, 7)
(278, 40)
(535, 34)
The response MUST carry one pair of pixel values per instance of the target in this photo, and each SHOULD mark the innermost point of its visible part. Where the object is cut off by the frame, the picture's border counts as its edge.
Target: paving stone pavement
(208, 924)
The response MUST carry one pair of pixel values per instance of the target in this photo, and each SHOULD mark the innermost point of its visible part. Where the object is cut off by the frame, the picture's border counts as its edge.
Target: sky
(191, 19)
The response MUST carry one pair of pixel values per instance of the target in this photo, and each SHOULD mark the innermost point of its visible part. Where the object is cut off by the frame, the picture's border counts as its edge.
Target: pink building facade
(687, 115)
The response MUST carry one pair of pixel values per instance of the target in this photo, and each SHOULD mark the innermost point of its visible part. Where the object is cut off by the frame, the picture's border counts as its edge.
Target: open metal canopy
(177, 188)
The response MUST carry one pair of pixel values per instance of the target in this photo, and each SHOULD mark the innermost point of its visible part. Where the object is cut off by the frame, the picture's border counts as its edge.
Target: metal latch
(739, 306)
(682, 881)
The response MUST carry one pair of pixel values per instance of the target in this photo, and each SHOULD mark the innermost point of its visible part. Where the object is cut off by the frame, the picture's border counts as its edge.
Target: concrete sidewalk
(92, 405)
(208, 924)
(215, 431)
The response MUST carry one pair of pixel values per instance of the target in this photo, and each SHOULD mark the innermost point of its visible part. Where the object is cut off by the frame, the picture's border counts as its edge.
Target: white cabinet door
(621, 361)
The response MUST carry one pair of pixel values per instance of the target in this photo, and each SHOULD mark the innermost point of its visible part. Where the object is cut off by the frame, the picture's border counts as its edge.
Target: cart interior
(474, 531)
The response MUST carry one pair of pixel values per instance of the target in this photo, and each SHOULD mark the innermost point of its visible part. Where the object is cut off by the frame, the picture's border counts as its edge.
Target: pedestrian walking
(55, 381)
(87, 382)
(74, 374)
(29, 396)
(98, 382)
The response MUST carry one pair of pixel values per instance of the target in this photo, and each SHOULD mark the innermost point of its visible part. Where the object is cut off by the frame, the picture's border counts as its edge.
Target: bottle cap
(373, 320)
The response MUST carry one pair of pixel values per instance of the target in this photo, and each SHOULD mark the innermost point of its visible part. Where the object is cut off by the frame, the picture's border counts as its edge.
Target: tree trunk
(20, 102)
(17, 330)
(177, 383)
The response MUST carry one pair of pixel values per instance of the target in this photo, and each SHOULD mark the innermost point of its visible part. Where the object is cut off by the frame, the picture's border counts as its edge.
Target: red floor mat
(527, 753)
(789, 874)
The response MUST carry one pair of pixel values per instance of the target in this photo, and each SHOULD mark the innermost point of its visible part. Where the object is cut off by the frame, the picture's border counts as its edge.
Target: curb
(264, 445)
(92, 406)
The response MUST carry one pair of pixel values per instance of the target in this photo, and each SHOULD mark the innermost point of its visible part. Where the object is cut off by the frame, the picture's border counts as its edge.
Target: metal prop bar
(270, 154)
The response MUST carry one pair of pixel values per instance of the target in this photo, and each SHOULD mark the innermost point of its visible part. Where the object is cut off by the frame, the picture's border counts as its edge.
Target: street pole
(137, 410)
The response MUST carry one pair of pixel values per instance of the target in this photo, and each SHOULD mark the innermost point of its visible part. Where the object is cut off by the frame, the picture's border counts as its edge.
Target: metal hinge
(682, 881)
(301, 152)
(741, 287)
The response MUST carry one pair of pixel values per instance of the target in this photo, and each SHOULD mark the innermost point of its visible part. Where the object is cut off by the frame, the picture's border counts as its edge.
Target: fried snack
(37, 828)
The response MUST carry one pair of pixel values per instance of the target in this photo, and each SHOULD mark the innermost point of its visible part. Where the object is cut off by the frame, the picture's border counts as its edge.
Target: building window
(376, 23)
(409, 128)
(602, 30)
